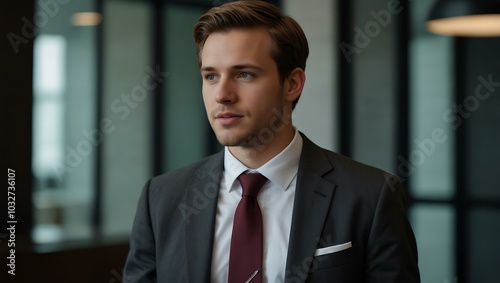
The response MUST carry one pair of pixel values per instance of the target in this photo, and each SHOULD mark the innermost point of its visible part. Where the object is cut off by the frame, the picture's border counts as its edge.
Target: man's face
(241, 86)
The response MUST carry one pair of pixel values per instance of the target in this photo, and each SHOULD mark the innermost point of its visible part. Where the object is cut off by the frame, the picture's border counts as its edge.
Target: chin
(232, 140)
(229, 141)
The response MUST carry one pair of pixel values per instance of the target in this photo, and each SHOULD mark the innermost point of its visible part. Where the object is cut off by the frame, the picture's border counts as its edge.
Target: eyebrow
(235, 67)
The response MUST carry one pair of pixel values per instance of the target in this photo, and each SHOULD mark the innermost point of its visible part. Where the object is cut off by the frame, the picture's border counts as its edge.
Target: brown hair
(290, 48)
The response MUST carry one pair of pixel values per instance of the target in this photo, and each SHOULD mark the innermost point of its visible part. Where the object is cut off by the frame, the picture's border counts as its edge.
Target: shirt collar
(280, 170)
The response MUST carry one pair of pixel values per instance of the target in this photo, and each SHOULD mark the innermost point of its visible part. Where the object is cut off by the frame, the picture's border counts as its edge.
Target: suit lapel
(313, 195)
(202, 195)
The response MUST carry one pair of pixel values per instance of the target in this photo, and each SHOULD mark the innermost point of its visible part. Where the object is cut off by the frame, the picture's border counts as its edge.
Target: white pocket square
(333, 249)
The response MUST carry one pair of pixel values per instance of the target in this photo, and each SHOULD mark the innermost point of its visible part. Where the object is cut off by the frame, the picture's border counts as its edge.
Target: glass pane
(434, 229)
(186, 126)
(481, 115)
(482, 246)
(374, 101)
(63, 113)
(430, 161)
(316, 112)
(128, 81)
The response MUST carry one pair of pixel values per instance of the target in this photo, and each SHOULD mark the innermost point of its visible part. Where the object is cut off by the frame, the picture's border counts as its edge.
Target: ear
(294, 84)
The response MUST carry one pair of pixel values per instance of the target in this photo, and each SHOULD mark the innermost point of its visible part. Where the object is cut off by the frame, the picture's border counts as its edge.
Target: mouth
(227, 115)
(228, 118)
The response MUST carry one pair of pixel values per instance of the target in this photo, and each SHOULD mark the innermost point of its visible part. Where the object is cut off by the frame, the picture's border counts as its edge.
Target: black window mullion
(158, 27)
(461, 207)
(98, 163)
(345, 16)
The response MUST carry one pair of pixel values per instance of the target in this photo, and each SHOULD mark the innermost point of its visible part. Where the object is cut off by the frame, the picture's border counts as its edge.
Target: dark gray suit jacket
(337, 201)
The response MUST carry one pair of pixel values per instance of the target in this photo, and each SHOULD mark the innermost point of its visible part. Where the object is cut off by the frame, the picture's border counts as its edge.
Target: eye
(210, 77)
(245, 75)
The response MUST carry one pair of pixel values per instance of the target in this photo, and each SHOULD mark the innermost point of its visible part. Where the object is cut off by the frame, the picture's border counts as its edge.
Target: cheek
(275, 97)
(207, 102)
(205, 93)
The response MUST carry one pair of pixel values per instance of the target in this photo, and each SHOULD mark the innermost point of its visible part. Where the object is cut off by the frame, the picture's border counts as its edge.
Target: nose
(226, 93)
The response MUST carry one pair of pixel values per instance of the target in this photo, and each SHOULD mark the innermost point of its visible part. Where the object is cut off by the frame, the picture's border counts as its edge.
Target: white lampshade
(473, 18)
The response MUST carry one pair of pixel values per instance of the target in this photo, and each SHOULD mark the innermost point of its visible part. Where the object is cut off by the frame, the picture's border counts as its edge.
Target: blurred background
(104, 94)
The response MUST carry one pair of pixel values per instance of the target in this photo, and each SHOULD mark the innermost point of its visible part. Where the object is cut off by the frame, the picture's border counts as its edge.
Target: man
(322, 217)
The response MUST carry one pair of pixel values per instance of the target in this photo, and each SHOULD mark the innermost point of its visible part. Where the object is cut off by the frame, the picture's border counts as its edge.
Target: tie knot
(251, 183)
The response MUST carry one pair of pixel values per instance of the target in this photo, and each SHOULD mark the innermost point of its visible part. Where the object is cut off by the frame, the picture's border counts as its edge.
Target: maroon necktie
(245, 258)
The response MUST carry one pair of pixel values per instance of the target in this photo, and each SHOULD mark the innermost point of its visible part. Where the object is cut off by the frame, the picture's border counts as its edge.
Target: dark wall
(16, 88)
(96, 264)
(478, 157)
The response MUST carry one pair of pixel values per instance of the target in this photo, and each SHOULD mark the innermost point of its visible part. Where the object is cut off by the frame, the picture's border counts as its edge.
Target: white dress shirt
(276, 204)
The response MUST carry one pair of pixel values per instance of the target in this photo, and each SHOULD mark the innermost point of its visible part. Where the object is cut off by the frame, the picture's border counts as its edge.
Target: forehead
(236, 46)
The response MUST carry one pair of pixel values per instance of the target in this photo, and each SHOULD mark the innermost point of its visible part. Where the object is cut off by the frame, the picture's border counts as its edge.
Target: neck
(257, 152)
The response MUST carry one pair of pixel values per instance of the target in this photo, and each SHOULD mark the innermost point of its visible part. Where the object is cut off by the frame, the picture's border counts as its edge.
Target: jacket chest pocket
(351, 255)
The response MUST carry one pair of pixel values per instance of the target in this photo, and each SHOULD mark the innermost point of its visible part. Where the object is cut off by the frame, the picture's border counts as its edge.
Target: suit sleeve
(140, 266)
(391, 254)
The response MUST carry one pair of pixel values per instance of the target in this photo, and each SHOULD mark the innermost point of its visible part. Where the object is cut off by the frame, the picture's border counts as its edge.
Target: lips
(227, 115)
(228, 118)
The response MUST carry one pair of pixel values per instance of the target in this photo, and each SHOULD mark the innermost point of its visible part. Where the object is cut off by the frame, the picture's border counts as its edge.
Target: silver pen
(252, 276)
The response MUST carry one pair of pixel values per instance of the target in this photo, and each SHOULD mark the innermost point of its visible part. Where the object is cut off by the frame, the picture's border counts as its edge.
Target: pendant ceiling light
(474, 18)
